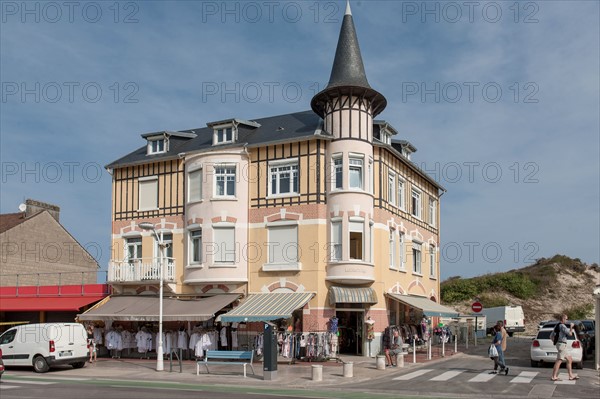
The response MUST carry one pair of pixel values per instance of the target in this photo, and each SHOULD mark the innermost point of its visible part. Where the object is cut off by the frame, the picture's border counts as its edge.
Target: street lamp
(161, 246)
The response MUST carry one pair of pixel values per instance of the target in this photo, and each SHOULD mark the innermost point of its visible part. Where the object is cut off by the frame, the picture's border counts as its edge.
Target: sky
(501, 99)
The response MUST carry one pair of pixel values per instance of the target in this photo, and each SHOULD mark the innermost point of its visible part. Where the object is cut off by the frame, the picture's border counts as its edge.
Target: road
(465, 376)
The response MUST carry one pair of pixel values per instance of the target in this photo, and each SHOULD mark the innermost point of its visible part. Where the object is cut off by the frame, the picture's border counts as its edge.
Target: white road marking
(412, 375)
(483, 377)
(4, 386)
(447, 375)
(564, 380)
(524, 377)
(34, 382)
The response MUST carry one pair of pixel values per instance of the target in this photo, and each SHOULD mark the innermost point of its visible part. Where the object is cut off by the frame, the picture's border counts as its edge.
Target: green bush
(514, 283)
(579, 312)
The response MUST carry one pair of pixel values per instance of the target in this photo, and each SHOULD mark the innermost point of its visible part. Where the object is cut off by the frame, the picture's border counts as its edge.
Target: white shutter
(224, 238)
(283, 244)
(195, 185)
(148, 194)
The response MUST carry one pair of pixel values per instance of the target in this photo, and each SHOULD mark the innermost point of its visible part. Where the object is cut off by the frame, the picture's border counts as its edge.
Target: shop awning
(146, 308)
(269, 306)
(352, 295)
(427, 306)
(49, 304)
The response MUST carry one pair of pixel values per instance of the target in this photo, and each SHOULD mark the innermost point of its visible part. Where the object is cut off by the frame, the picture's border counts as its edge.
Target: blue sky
(500, 98)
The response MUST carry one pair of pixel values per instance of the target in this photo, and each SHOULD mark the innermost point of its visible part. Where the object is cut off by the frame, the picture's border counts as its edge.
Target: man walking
(561, 345)
(499, 361)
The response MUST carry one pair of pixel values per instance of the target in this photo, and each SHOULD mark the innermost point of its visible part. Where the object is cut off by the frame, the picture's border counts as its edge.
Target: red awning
(46, 303)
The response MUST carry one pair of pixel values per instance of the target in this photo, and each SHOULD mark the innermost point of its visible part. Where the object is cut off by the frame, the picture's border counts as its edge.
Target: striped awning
(352, 295)
(427, 306)
(269, 306)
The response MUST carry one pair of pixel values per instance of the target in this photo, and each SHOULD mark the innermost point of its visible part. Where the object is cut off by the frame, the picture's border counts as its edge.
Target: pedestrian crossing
(6, 385)
(523, 377)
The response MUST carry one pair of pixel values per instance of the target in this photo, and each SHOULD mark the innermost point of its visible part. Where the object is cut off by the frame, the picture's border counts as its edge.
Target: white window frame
(135, 243)
(417, 250)
(392, 242)
(226, 180)
(192, 246)
(146, 181)
(192, 175)
(432, 211)
(220, 134)
(401, 193)
(153, 142)
(402, 251)
(336, 241)
(337, 164)
(223, 254)
(362, 232)
(432, 257)
(282, 262)
(416, 197)
(392, 188)
(294, 172)
(167, 239)
(356, 163)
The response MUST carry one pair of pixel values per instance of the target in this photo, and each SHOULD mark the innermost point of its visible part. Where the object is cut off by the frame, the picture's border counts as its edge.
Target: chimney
(32, 207)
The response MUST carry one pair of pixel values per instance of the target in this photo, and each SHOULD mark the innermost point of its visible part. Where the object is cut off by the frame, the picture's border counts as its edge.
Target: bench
(243, 358)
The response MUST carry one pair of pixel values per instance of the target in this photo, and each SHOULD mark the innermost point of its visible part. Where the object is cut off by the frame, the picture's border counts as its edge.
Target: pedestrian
(498, 360)
(500, 324)
(561, 345)
(391, 353)
(91, 343)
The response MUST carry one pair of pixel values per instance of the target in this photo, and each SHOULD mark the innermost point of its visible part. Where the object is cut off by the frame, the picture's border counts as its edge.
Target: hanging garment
(223, 336)
(182, 340)
(234, 339)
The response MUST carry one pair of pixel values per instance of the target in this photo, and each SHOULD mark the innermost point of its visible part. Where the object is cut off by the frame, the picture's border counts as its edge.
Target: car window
(546, 335)
(8, 337)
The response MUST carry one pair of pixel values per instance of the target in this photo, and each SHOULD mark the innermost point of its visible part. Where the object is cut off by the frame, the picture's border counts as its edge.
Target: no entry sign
(476, 307)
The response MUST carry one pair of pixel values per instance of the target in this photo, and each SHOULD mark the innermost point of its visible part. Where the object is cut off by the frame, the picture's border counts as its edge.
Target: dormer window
(223, 135)
(386, 138)
(157, 145)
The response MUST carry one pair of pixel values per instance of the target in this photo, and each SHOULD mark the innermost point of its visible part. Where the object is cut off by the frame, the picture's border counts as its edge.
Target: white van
(45, 345)
(512, 316)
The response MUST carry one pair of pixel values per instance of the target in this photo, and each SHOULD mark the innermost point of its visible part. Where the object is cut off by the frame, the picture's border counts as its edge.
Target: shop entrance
(350, 327)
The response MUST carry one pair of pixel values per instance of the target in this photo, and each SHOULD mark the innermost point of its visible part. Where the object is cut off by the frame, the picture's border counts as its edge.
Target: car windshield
(588, 325)
(546, 335)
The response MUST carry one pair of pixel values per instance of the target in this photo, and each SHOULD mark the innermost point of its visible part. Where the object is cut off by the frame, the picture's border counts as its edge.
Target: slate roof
(274, 129)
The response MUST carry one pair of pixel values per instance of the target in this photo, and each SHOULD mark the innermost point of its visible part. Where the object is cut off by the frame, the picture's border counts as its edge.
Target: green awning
(427, 306)
(269, 306)
(352, 295)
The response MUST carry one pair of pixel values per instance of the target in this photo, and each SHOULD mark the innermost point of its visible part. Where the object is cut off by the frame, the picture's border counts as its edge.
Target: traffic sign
(477, 307)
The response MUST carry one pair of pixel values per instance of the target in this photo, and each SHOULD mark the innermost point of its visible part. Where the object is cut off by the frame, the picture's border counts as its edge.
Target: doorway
(350, 327)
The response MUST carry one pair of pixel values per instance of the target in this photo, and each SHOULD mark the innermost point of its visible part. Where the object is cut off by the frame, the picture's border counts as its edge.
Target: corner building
(323, 208)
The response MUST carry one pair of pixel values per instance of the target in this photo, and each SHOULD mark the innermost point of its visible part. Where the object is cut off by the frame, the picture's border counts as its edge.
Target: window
(392, 242)
(157, 146)
(134, 249)
(224, 135)
(148, 194)
(336, 240)
(416, 204)
(417, 258)
(168, 242)
(196, 246)
(392, 188)
(432, 265)
(283, 244)
(400, 193)
(356, 173)
(8, 337)
(356, 240)
(432, 211)
(284, 179)
(402, 250)
(224, 240)
(224, 181)
(195, 185)
(338, 167)
(386, 138)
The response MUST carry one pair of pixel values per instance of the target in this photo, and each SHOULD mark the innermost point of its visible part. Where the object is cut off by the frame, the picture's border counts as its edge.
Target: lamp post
(161, 246)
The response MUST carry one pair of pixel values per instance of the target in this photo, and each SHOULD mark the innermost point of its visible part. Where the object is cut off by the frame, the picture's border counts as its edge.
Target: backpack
(555, 334)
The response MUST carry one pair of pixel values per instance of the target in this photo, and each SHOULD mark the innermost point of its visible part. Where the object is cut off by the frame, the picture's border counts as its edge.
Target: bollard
(400, 359)
(317, 372)
(348, 369)
(380, 362)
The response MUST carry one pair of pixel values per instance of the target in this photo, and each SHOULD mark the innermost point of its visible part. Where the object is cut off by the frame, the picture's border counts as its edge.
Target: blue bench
(243, 358)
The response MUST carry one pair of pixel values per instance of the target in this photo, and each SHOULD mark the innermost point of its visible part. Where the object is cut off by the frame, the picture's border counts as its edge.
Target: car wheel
(40, 365)
(78, 365)
(535, 364)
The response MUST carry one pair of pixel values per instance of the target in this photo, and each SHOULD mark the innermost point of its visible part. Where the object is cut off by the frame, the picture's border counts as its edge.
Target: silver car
(543, 351)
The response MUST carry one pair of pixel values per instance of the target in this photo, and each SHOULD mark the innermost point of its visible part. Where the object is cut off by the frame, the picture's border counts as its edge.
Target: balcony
(140, 270)
(353, 272)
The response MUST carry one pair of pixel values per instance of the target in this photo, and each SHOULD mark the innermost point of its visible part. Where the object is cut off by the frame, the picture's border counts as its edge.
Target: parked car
(544, 351)
(590, 326)
(582, 334)
(1, 364)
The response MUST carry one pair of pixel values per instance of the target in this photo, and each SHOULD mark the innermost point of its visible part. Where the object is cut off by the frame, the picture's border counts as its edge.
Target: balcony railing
(140, 270)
